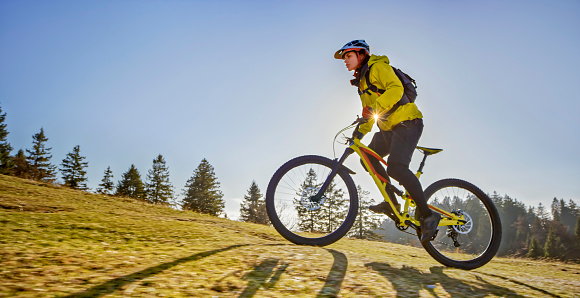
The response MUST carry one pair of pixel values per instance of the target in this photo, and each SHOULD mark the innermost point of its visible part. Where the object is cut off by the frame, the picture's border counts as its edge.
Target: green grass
(60, 242)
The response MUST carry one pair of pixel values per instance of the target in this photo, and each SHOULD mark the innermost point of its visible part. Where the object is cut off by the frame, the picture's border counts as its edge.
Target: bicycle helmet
(358, 44)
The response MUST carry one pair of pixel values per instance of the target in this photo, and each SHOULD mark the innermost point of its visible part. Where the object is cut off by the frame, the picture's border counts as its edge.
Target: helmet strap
(361, 58)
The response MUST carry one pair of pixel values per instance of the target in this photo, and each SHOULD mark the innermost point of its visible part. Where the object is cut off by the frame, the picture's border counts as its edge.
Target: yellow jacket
(383, 77)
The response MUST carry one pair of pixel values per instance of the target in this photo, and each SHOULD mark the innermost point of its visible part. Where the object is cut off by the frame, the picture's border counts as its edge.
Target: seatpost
(425, 154)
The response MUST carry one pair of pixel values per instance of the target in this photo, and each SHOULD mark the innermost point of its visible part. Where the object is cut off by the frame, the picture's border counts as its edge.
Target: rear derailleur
(451, 233)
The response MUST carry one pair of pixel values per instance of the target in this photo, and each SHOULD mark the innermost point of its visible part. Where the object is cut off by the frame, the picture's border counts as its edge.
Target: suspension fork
(337, 166)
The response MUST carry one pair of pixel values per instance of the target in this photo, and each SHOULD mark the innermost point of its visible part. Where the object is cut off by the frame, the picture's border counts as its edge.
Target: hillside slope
(61, 242)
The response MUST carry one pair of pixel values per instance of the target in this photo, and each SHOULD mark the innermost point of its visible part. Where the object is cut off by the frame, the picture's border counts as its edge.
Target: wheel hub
(310, 201)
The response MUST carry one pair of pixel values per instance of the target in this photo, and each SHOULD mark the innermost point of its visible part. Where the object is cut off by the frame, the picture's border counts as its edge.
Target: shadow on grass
(115, 284)
(456, 286)
(269, 271)
(521, 284)
(259, 276)
(335, 276)
(408, 281)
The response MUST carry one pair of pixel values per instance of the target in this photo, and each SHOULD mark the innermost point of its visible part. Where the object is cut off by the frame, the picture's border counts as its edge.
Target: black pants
(400, 143)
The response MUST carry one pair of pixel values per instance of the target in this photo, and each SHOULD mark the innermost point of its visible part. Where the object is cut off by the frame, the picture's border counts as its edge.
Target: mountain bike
(312, 200)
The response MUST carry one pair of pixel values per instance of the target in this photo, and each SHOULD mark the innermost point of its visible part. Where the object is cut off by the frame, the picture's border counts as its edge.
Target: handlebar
(358, 122)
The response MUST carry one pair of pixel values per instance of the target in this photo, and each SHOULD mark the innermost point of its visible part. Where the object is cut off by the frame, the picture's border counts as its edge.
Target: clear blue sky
(250, 84)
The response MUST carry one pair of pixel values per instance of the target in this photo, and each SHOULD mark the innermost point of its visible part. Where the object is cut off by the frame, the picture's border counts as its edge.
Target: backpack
(409, 86)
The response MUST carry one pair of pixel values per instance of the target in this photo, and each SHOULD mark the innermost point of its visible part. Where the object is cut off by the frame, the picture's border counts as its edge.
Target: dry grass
(60, 242)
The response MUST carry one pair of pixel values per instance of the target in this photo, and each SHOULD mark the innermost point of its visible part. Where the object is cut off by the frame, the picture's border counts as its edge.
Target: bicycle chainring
(401, 228)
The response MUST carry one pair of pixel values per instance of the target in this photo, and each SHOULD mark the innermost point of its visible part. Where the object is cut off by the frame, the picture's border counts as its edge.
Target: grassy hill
(60, 242)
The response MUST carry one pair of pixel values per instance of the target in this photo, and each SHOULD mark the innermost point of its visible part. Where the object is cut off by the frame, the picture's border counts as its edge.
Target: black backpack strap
(370, 86)
(362, 72)
(403, 101)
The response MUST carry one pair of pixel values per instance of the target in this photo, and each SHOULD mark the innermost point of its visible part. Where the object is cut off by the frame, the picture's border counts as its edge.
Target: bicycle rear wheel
(466, 246)
(302, 218)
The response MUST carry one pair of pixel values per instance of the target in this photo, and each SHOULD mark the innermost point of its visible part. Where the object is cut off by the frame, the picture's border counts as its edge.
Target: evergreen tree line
(536, 233)
(201, 192)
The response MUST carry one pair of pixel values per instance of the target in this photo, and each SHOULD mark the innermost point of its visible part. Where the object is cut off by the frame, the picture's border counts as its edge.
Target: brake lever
(360, 120)
(346, 139)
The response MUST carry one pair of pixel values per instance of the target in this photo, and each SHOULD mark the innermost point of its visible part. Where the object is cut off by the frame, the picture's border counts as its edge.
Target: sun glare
(376, 117)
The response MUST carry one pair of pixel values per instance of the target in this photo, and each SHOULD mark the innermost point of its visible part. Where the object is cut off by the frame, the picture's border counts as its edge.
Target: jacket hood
(377, 58)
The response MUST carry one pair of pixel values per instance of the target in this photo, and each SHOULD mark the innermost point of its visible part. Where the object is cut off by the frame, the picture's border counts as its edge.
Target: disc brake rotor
(307, 201)
(467, 227)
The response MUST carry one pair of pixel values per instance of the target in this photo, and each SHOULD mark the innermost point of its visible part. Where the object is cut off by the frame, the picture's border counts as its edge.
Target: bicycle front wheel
(301, 217)
(473, 244)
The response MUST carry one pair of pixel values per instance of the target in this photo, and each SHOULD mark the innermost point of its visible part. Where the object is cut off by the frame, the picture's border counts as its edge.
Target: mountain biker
(400, 126)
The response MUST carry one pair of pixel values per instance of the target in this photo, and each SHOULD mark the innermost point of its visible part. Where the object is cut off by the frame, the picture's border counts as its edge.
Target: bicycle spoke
(299, 212)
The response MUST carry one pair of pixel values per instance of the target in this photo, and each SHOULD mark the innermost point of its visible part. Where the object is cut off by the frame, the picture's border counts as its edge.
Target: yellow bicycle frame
(448, 218)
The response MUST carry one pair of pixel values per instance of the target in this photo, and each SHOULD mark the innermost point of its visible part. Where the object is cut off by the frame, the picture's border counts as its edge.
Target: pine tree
(535, 250)
(541, 212)
(73, 169)
(577, 229)
(39, 159)
(539, 230)
(556, 208)
(573, 207)
(131, 185)
(325, 217)
(308, 219)
(6, 161)
(106, 186)
(159, 189)
(568, 215)
(552, 246)
(202, 192)
(21, 166)
(253, 207)
(366, 222)
(335, 208)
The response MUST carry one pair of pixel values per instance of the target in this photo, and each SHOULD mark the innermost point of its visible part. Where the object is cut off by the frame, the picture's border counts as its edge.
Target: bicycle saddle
(429, 151)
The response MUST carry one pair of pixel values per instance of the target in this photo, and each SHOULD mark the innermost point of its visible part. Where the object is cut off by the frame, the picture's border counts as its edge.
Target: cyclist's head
(359, 45)
(353, 53)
